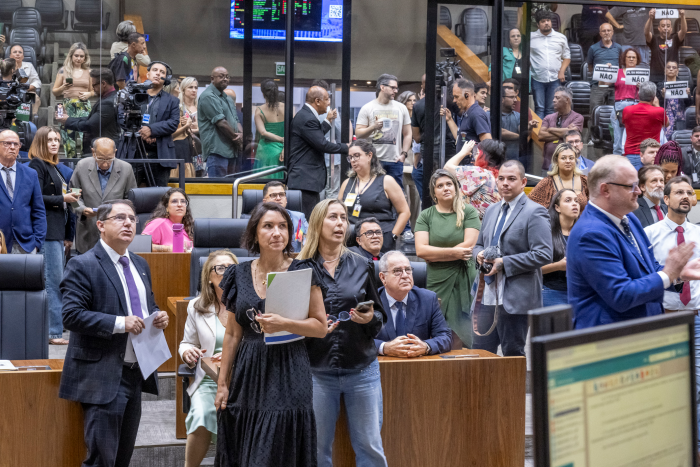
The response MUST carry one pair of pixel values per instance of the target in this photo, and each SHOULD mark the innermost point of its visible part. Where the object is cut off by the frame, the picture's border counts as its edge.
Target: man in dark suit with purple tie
(106, 296)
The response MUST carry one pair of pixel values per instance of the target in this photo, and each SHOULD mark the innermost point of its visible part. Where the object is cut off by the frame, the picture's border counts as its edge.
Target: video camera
(129, 101)
(13, 93)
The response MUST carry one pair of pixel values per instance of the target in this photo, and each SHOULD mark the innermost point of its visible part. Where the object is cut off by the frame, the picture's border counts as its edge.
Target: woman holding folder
(265, 407)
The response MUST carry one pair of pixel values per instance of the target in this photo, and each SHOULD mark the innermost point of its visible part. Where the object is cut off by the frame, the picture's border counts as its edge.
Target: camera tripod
(131, 143)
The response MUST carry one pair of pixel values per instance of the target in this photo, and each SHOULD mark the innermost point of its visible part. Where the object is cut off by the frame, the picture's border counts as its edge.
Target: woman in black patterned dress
(266, 413)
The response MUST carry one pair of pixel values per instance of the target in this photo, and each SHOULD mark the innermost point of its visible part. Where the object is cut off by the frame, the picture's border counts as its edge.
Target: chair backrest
(510, 21)
(26, 36)
(445, 17)
(8, 8)
(693, 40)
(52, 11)
(24, 318)
(685, 52)
(602, 116)
(252, 198)
(682, 137)
(26, 18)
(29, 53)
(690, 118)
(88, 11)
(576, 61)
(475, 27)
(350, 237)
(575, 27)
(581, 91)
(556, 21)
(420, 274)
(145, 201)
(684, 74)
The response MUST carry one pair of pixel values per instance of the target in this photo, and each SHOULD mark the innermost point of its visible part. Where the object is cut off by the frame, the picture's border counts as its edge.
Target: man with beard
(651, 204)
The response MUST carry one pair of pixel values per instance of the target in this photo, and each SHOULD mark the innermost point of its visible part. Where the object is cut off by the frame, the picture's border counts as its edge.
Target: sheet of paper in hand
(663, 13)
(150, 347)
(634, 76)
(288, 295)
(605, 73)
(676, 89)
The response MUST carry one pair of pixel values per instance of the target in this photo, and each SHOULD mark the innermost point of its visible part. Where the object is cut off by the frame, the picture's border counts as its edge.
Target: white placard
(634, 76)
(676, 89)
(666, 13)
(607, 74)
(288, 295)
(150, 347)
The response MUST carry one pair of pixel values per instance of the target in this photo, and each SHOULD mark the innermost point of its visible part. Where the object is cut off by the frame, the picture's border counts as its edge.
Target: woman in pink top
(625, 94)
(173, 208)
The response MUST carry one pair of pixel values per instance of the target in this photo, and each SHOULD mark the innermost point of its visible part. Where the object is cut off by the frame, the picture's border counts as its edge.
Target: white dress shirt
(618, 222)
(120, 321)
(13, 175)
(547, 54)
(663, 237)
(316, 114)
(32, 75)
(394, 310)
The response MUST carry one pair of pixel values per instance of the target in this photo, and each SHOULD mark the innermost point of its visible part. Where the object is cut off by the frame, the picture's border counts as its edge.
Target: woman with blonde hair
(564, 174)
(54, 189)
(182, 138)
(205, 328)
(73, 84)
(445, 236)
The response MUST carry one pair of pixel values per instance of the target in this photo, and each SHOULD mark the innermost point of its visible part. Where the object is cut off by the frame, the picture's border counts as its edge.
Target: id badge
(356, 210)
(517, 70)
(146, 119)
(695, 178)
(350, 199)
(64, 188)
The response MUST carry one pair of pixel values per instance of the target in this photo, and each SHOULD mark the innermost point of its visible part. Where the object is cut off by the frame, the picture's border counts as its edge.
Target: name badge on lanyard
(146, 119)
(357, 209)
(350, 199)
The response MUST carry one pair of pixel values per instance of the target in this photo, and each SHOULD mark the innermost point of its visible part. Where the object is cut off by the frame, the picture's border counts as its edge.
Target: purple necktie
(131, 285)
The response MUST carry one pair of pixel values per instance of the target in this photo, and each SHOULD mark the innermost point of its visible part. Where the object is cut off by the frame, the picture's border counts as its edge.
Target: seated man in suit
(100, 177)
(651, 208)
(370, 238)
(107, 295)
(416, 325)
(691, 159)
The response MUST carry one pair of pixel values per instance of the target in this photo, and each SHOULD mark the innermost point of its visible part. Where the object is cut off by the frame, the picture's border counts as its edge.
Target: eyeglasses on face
(280, 195)
(10, 144)
(395, 88)
(633, 187)
(181, 202)
(121, 218)
(101, 159)
(372, 233)
(220, 269)
(398, 272)
(354, 157)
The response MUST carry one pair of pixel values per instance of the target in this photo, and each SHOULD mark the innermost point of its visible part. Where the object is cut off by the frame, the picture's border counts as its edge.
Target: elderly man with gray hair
(416, 325)
(611, 272)
(642, 121)
(555, 126)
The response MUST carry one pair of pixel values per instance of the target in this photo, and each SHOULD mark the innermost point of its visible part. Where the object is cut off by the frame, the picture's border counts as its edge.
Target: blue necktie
(131, 285)
(497, 236)
(400, 320)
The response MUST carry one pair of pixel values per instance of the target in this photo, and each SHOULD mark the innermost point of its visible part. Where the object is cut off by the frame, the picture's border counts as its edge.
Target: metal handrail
(234, 196)
(534, 177)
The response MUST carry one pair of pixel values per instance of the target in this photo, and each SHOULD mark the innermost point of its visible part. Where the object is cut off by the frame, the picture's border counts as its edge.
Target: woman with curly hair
(670, 159)
(173, 208)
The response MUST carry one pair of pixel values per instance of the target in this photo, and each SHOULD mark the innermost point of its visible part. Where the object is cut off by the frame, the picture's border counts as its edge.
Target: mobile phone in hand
(59, 110)
(363, 307)
(69, 80)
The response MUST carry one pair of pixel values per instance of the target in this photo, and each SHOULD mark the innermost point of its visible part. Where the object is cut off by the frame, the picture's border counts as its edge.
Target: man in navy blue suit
(612, 274)
(106, 296)
(416, 325)
(22, 211)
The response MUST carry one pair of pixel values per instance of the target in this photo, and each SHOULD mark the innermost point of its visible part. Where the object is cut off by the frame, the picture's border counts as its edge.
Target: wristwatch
(404, 153)
(427, 351)
(394, 236)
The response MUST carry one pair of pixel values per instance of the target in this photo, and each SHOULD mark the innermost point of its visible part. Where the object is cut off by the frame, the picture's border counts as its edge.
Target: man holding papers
(107, 300)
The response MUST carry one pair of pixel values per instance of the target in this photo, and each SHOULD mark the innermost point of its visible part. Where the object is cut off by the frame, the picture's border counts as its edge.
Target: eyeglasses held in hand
(121, 218)
(398, 272)
(252, 313)
(220, 269)
(342, 316)
(372, 233)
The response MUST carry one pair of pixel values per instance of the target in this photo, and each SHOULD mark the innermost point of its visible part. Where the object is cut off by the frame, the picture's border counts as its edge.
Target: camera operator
(161, 117)
(102, 121)
(14, 93)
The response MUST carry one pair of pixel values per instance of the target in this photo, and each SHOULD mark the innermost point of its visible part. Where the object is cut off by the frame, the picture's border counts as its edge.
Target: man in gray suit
(102, 178)
(520, 228)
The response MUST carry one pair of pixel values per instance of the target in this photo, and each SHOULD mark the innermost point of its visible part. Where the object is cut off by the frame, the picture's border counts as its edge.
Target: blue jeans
(544, 96)
(395, 169)
(552, 297)
(218, 166)
(362, 393)
(417, 175)
(636, 160)
(617, 129)
(54, 257)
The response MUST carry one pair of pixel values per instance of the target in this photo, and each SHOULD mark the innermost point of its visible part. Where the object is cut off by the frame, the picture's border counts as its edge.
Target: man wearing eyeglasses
(101, 177)
(370, 239)
(22, 211)
(612, 273)
(416, 325)
(574, 138)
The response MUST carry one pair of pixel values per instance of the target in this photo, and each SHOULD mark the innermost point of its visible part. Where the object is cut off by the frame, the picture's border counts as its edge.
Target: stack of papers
(6, 365)
(288, 295)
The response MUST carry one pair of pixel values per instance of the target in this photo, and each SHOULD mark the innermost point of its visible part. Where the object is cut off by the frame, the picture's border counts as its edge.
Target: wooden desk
(449, 412)
(170, 277)
(178, 307)
(37, 427)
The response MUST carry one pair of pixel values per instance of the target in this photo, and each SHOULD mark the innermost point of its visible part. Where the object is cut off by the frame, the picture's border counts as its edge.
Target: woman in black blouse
(345, 361)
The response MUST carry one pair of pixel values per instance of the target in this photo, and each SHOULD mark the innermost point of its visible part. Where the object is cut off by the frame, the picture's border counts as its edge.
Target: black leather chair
(582, 97)
(211, 235)
(350, 238)
(573, 32)
(690, 118)
(684, 74)
(600, 127)
(7, 9)
(24, 314)
(29, 37)
(510, 21)
(420, 273)
(29, 56)
(556, 21)
(54, 15)
(87, 17)
(577, 60)
(682, 137)
(28, 18)
(473, 30)
(445, 17)
(693, 25)
(145, 200)
(693, 40)
(252, 198)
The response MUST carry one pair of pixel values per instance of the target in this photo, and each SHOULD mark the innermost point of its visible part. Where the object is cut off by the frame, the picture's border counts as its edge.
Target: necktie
(497, 236)
(659, 212)
(400, 320)
(685, 293)
(628, 232)
(131, 285)
(8, 183)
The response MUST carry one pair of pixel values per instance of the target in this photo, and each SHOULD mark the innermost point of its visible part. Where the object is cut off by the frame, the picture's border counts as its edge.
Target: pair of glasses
(372, 233)
(252, 313)
(10, 144)
(121, 218)
(395, 88)
(181, 202)
(354, 158)
(398, 272)
(281, 195)
(99, 159)
(342, 316)
(220, 269)
(633, 187)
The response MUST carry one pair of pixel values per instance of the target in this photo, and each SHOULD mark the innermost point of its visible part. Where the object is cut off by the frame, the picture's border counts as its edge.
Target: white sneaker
(408, 237)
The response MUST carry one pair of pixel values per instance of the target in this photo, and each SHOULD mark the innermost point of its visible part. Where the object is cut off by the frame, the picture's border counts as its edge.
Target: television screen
(315, 20)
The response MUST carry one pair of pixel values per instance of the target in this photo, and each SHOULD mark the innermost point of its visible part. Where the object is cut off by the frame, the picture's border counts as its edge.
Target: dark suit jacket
(424, 319)
(362, 252)
(689, 167)
(57, 220)
(24, 217)
(93, 296)
(608, 280)
(306, 167)
(643, 212)
(102, 121)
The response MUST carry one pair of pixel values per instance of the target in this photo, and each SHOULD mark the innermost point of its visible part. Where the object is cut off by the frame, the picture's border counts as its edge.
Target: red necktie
(685, 293)
(660, 213)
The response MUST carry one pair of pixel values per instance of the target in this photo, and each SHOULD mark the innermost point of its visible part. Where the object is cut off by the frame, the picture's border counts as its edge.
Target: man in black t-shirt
(664, 45)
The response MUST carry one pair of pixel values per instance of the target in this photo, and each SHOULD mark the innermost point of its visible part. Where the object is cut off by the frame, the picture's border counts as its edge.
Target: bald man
(218, 127)
(306, 166)
(102, 178)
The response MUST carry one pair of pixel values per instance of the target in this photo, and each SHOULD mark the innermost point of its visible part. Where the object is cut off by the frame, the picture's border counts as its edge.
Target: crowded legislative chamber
(372, 233)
